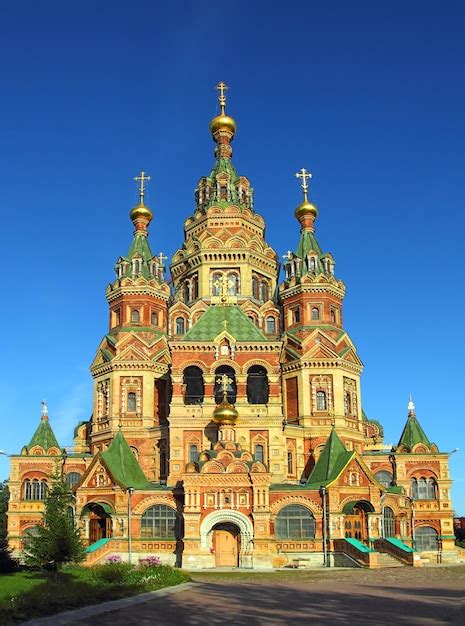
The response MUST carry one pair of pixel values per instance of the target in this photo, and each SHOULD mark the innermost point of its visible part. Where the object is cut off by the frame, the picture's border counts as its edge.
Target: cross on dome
(142, 179)
(304, 175)
(222, 88)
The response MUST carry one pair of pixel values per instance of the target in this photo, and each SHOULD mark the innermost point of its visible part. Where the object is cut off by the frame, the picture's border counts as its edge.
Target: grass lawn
(25, 595)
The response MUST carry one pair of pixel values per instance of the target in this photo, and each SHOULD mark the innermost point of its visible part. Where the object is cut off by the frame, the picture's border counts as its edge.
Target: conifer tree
(7, 563)
(57, 541)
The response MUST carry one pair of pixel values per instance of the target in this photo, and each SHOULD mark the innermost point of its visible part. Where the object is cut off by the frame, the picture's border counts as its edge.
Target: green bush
(112, 573)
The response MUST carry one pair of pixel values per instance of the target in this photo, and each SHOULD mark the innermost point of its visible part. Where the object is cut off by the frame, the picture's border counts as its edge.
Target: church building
(227, 426)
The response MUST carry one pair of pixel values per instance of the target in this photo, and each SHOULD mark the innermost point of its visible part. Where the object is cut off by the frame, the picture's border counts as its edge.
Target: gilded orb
(225, 413)
(306, 208)
(141, 211)
(223, 122)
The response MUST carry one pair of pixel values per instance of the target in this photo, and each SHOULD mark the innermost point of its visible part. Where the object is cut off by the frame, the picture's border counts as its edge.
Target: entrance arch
(356, 520)
(99, 520)
(232, 522)
(226, 544)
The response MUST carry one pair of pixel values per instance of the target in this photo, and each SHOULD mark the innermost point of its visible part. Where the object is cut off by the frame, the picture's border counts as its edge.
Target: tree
(57, 541)
(7, 563)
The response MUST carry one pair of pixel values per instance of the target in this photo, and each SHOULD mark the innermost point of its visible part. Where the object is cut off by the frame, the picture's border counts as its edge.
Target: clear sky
(368, 96)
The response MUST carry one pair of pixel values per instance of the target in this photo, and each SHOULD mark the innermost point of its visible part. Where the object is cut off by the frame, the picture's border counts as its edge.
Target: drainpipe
(325, 540)
(130, 492)
(412, 501)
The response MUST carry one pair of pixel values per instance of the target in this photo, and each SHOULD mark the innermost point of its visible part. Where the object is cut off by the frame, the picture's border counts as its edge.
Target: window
(426, 538)
(131, 402)
(290, 463)
(270, 325)
(255, 290)
(194, 389)
(186, 291)
(136, 267)
(117, 317)
(296, 315)
(321, 401)
(72, 478)
(257, 385)
(135, 316)
(195, 287)
(264, 291)
(384, 477)
(180, 325)
(217, 278)
(35, 489)
(232, 386)
(332, 315)
(154, 318)
(159, 521)
(28, 534)
(388, 522)
(233, 284)
(193, 453)
(259, 453)
(315, 313)
(424, 489)
(347, 403)
(312, 265)
(295, 522)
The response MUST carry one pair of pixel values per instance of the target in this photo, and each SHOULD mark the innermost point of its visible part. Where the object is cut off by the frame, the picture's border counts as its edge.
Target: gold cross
(304, 175)
(143, 179)
(288, 255)
(222, 88)
(224, 381)
(161, 257)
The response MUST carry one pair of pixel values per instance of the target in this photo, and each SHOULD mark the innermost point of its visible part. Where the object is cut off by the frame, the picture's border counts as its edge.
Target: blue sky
(367, 96)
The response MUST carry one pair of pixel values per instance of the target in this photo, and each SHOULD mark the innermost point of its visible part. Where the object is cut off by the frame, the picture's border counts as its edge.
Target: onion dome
(225, 413)
(141, 212)
(306, 208)
(222, 122)
(141, 215)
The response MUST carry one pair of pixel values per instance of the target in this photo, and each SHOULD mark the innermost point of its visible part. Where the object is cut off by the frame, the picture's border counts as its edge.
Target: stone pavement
(315, 603)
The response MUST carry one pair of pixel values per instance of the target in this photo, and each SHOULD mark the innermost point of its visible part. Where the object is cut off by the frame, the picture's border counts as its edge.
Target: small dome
(141, 211)
(225, 413)
(223, 122)
(306, 208)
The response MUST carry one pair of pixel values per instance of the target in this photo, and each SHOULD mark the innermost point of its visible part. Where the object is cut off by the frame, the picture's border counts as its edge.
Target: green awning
(91, 505)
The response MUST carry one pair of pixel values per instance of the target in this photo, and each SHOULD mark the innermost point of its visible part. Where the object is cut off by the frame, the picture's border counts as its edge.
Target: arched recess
(243, 523)
(257, 385)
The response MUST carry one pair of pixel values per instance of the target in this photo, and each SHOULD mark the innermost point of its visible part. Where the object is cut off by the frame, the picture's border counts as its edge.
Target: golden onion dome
(225, 413)
(306, 208)
(222, 122)
(141, 211)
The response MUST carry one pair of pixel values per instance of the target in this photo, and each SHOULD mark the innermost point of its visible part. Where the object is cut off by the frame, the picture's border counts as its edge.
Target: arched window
(311, 265)
(315, 313)
(42, 488)
(131, 402)
(426, 538)
(193, 453)
(264, 291)
(296, 315)
(384, 477)
(154, 318)
(295, 522)
(135, 316)
(424, 488)
(232, 386)
(159, 521)
(332, 315)
(180, 325)
(28, 534)
(255, 290)
(388, 522)
(217, 278)
(195, 287)
(233, 284)
(186, 291)
(290, 462)
(136, 267)
(270, 325)
(193, 385)
(27, 490)
(414, 488)
(72, 478)
(35, 490)
(259, 453)
(321, 401)
(257, 385)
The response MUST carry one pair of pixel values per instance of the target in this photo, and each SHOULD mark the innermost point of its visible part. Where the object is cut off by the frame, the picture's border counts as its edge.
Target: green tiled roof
(307, 243)
(140, 246)
(413, 433)
(211, 324)
(331, 462)
(123, 465)
(44, 436)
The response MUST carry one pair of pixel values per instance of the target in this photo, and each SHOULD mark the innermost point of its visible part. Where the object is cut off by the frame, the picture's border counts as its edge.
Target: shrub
(114, 558)
(112, 573)
(149, 561)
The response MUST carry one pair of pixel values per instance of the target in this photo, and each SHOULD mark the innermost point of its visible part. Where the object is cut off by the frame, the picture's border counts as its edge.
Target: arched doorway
(226, 544)
(99, 516)
(356, 520)
(239, 521)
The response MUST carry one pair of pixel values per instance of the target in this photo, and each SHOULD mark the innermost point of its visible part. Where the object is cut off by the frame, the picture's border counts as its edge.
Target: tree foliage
(7, 563)
(57, 541)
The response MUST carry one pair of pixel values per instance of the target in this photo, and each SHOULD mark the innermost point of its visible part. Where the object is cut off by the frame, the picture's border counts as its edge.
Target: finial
(224, 381)
(222, 88)
(142, 179)
(411, 406)
(288, 256)
(161, 258)
(44, 409)
(120, 423)
(304, 175)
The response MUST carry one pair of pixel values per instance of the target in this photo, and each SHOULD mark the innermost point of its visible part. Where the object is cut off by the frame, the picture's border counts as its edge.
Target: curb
(68, 617)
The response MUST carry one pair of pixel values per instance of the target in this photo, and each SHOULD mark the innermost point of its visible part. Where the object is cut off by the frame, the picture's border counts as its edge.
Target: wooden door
(95, 530)
(225, 549)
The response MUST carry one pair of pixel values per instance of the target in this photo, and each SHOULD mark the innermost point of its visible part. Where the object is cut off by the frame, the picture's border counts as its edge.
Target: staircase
(386, 560)
(97, 551)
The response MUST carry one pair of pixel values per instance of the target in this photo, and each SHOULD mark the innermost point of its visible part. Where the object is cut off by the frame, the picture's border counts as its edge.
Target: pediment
(133, 353)
(97, 476)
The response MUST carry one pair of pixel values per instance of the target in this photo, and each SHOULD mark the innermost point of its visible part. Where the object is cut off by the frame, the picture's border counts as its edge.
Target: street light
(130, 492)
(325, 546)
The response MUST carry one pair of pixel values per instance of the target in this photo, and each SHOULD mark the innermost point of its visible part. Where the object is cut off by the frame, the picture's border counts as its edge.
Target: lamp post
(325, 546)
(130, 492)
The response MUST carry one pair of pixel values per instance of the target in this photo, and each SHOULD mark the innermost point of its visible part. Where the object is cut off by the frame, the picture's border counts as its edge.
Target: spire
(141, 215)
(44, 435)
(413, 433)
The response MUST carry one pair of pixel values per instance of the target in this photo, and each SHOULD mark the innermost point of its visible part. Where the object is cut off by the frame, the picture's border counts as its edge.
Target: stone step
(386, 560)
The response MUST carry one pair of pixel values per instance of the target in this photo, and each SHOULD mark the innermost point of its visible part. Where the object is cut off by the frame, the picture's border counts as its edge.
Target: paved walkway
(317, 603)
